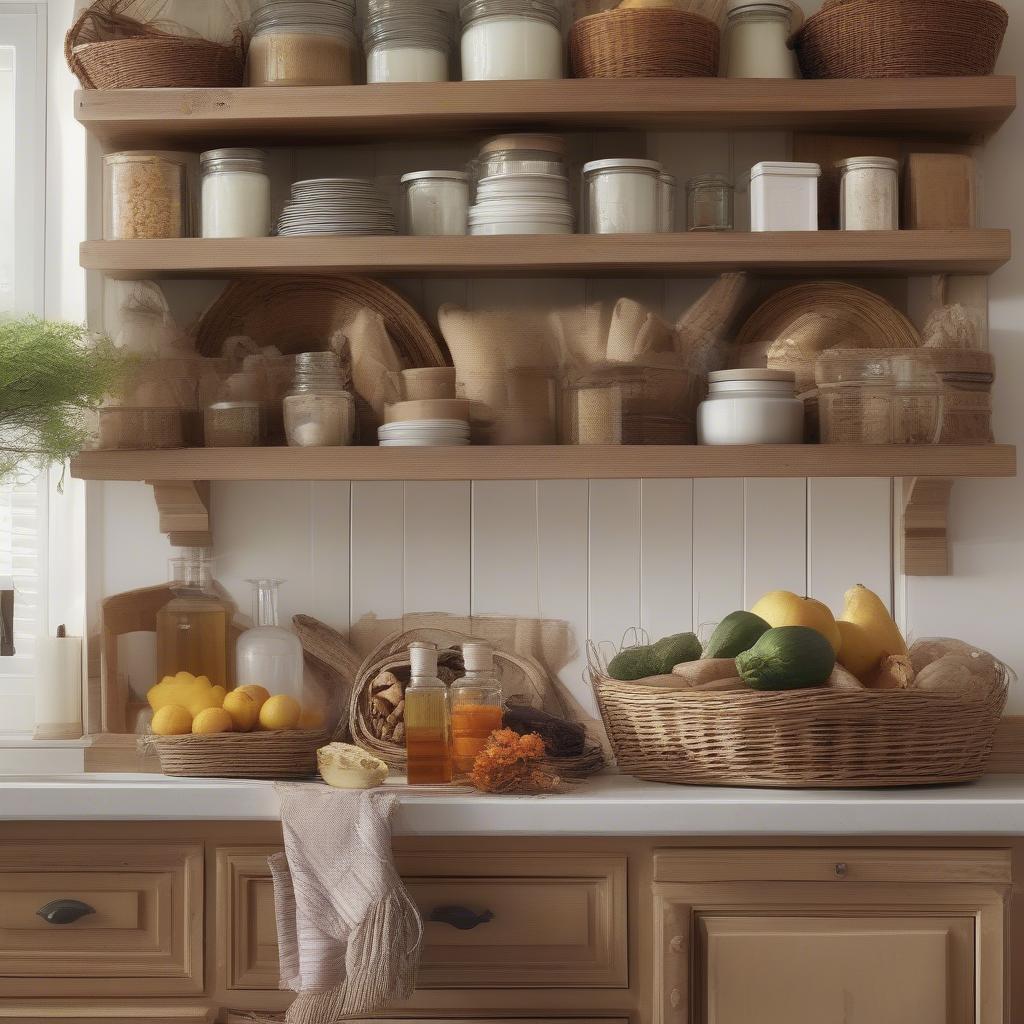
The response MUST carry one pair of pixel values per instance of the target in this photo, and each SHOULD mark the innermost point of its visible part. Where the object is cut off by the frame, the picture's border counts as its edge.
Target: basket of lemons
(205, 731)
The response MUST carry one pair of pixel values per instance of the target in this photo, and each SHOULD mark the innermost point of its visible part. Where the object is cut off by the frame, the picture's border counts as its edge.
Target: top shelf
(965, 108)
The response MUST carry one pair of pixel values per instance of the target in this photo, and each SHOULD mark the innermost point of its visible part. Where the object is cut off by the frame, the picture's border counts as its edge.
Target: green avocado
(735, 634)
(787, 658)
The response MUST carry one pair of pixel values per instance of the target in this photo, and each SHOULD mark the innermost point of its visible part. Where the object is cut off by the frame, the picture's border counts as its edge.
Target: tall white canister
(784, 196)
(58, 687)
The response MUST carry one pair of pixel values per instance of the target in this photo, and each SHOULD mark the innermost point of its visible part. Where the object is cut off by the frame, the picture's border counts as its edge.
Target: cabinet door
(834, 970)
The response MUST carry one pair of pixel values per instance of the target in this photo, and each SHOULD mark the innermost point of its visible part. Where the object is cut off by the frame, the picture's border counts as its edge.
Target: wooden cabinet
(97, 919)
(816, 936)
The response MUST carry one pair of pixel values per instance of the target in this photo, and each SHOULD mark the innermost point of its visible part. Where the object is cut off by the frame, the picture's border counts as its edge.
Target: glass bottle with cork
(191, 629)
(476, 705)
(428, 727)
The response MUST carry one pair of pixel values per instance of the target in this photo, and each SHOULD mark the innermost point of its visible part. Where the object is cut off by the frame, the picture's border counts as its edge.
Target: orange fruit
(243, 709)
(280, 712)
(260, 694)
(172, 720)
(210, 721)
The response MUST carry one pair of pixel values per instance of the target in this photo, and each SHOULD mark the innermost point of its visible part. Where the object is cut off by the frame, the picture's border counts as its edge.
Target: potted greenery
(52, 374)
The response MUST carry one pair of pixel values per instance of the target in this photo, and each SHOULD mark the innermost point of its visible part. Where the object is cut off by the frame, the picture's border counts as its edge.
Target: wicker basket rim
(264, 738)
(876, 10)
(651, 13)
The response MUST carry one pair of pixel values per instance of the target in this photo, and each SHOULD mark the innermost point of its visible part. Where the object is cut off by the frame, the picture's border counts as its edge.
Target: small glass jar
(476, 705)
(236, 193)
(521, 154)
(437, 202)
(511, 40)
(622, 197)
(318, 411)
(709, 203)
(268, 655)
(751, 407)
(869, 194)
(757, 40)
(232, 425)
(667, 194)
(303, 42)
(145, 196)
(407, 41)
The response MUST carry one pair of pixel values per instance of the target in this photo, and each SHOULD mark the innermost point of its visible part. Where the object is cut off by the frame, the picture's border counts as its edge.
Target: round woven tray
(901, 38)
(652, 43)
(799, 739)
(279, 754)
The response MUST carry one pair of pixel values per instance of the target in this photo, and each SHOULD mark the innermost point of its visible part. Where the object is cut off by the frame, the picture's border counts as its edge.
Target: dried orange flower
(510, 763)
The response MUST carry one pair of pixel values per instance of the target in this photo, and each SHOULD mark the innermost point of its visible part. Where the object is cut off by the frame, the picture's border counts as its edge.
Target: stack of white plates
(424, 434)
(337, 206)
(522, 204)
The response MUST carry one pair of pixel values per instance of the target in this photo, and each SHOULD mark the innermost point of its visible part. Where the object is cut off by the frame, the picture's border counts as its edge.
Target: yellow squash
(195, 693)
(869, 633)
(784, 608)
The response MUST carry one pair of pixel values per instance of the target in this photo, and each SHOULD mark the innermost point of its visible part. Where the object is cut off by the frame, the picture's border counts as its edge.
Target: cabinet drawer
(126, 919)
(535, 921)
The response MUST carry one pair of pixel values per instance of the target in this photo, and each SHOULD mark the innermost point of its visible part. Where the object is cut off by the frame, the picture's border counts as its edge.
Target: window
(23, 502)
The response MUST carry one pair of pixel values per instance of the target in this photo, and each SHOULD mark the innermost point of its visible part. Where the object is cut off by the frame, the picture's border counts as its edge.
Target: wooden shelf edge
(877, 253)
(548, 463)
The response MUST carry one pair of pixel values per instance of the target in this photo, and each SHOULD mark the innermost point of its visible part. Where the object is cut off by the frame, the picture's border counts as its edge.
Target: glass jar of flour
(303, 42)
(407, 41)
(236, 193)
(511, 40)
(318, 411)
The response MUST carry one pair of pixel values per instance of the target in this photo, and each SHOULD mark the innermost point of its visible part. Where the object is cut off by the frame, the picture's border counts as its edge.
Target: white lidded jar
(623, 197)
(437, 202)
(751, 407)
(236, 193)
(757, 39)
(268, 655)
(407, 41)
(511, 40)
(784, 196)
(869, 194)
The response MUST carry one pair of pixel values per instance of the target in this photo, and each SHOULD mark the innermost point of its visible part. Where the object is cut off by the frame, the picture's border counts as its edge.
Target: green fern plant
(52, 374)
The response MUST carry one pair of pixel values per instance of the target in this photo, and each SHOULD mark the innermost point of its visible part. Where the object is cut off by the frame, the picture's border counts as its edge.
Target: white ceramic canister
(511, 40)
(623, 197)
(757, 39)
(236, 194)
(437, 202)
(751, 407)
(407, 41)
(784, 196)
(869, 194)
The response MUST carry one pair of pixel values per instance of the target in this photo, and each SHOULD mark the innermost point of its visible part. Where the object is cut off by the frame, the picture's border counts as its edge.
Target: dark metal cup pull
(461, 917)
(65, 911)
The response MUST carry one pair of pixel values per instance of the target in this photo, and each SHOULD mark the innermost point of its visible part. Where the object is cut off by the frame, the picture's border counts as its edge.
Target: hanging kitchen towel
(348, 931)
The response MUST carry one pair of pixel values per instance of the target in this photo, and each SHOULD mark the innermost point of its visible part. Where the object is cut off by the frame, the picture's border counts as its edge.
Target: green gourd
(735, 634)
(787, 658)
(656, 659)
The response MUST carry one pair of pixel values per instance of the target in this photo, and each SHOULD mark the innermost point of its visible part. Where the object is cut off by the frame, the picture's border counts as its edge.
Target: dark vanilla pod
(562, 738)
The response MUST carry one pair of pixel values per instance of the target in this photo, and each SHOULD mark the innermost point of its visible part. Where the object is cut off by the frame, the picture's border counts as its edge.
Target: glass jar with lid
(437, 202)
(521, 154)
(757, 34)
(303, 42)
(407, 41)
(318, 411)
(709, 203)
(869, 194)
(623, 197)
(511, 40)
(236, 193)
(145, 195)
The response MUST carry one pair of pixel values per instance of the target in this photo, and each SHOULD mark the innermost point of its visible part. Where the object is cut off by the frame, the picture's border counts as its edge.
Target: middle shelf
(858, 253)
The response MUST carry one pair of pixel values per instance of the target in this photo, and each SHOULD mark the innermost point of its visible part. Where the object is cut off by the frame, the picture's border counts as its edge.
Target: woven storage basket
(901, 39)
(799, 739)
(145, 57)
(281, 754)
(653, 43)
(519, 675)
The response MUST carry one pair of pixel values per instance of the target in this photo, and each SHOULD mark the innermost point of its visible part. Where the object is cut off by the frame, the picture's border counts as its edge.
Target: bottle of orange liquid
(476, 705)
(428, 726)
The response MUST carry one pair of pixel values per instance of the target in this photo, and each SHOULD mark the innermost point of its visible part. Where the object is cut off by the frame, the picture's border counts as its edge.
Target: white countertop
(606, 806)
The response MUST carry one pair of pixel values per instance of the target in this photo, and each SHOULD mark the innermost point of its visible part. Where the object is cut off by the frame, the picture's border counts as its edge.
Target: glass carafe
(476, 705)
(268, 655)
(191, 629)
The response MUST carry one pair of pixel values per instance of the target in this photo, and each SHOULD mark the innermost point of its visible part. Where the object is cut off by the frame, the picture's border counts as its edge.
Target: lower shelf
(548, 463)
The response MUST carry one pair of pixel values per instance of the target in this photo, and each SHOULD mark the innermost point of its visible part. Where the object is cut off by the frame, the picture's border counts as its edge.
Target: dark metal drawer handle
(461, 917)
(65, 911)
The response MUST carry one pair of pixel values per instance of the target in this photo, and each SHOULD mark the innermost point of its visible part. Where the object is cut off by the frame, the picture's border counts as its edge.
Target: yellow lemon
(260, 694)
(172, 720)
(211, 720)
(243, 709)
(280, 712)
(312, 718)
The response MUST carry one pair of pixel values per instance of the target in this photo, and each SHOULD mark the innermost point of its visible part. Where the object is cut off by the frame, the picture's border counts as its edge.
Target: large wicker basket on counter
(799, 739)
(279, 754)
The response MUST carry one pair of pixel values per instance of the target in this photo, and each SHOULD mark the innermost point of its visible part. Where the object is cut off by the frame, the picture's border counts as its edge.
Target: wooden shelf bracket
(925, 526)
(184, 507)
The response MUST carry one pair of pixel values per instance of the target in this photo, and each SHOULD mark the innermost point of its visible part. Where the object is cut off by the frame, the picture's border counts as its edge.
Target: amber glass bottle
(428, 727)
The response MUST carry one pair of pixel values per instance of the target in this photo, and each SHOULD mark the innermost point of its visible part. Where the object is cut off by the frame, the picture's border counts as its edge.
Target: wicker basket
(281, 754)
(901, 39)
(652, 43)
(143, 57)
(799, 739)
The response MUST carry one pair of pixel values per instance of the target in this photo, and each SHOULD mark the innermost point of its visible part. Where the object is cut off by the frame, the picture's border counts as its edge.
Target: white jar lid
(757, 374)
(785, 167)
(883, 163)
(622, 165)
(434, 176)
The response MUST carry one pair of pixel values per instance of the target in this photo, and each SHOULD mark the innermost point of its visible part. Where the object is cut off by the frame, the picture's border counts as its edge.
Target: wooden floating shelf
(548, 463)
(700, 254)
(970, 108)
